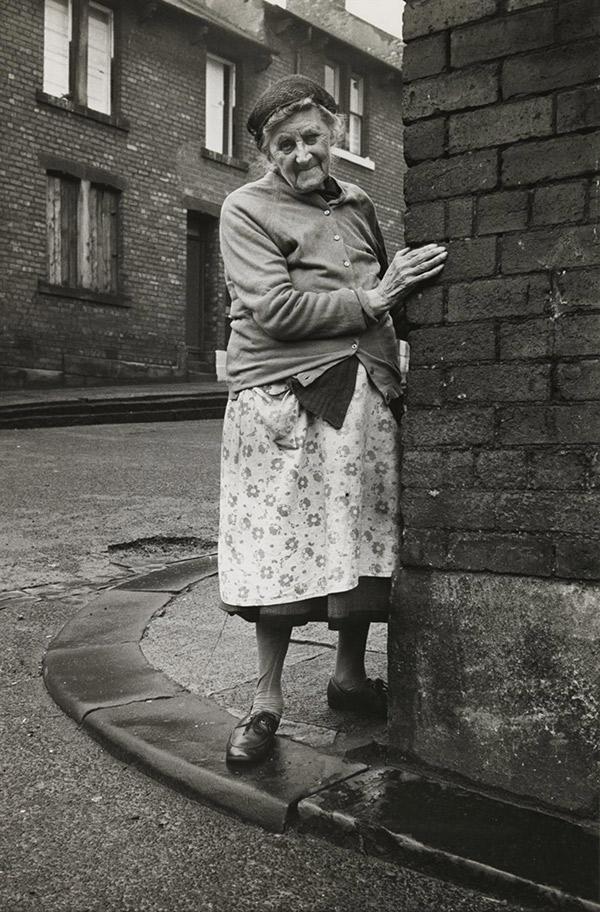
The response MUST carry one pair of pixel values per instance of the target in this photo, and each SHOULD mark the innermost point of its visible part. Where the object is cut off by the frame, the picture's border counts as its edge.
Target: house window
(355, 114)
(220, 105)
(78, 52)
(348, 90)
(82, 230)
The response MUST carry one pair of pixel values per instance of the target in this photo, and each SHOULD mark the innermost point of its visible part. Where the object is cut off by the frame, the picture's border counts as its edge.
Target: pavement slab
(183, 740)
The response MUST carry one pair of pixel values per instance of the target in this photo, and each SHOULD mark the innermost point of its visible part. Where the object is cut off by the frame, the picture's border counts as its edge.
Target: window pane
(356, 94)
(215, 104)
(354, 134)
(57, 35)
(220, 103)
(332, 80)
(100, 51)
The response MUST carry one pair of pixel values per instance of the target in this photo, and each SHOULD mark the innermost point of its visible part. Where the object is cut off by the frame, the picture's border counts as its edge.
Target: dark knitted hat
(285, 92)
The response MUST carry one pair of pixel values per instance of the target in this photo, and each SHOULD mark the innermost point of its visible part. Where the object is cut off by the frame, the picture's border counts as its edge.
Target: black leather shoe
(252, 738)
(368, 698)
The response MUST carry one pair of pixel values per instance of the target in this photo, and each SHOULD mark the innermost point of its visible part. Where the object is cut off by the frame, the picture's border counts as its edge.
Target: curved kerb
(97, 673)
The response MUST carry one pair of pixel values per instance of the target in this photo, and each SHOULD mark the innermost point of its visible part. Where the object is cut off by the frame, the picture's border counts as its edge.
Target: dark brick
(579, 381)
(544, 71)
(503, 211)
(469, 258)
(578, 335)
(568, 156)
(578, 559)
(426, 306)
(594, 201)
(558, 203)
(543, 511)
(578, 19)
(501, 297)
(498, 383)
(424, 16)
(423, 548)
(526, 424)
(424, 222)
(531, 339)
(425, 57)
(500, 469)
(558, 470)
(435, 469)
(451, 344)
(459, 217)
(450, 92)
(424, 140)
(459, 427)
(523, 554)
(501, 37)
(422, 468)
(578, 423)
(552, 248)
(499, 125)
(448, 509)
(452, 177)
(578, 109)
(576, 289)
(424, 387)
(513, 5)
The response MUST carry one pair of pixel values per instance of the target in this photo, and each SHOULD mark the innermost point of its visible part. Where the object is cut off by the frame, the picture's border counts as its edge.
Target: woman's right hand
(407, 269)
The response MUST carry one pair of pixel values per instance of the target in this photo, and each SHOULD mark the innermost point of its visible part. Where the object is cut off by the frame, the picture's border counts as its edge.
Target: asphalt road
(81, 830)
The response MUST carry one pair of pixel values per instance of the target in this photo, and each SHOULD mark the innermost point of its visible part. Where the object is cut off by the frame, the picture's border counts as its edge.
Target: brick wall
(502, 437)
(158, 155)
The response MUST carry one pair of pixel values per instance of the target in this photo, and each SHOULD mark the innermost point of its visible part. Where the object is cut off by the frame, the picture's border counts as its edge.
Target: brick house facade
(495, 632)
(110, 266)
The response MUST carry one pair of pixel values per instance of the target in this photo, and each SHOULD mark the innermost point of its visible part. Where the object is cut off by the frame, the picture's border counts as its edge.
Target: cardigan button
(336, 237)
(346, 262)
(326, 212)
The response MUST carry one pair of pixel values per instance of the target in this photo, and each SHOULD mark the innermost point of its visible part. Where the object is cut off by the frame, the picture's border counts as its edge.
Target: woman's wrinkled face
(300, 149)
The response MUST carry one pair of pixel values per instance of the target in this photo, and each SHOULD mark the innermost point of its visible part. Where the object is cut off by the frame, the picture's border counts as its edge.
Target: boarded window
(57, 38)
(220, 105)
(82, 223)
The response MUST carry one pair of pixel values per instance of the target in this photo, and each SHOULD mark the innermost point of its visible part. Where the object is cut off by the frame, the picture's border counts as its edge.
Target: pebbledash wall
(496, 626)
(152, 150)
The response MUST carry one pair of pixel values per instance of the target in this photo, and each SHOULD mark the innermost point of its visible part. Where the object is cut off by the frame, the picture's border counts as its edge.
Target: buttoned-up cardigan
(297, 269)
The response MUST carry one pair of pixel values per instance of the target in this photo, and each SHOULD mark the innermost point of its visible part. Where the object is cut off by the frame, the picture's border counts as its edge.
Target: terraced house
(125, 132)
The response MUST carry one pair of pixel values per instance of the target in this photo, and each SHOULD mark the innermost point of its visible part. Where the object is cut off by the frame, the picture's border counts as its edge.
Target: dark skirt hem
(367, 602)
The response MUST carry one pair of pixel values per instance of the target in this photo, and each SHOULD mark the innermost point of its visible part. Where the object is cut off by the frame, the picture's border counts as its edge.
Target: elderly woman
(309, 486)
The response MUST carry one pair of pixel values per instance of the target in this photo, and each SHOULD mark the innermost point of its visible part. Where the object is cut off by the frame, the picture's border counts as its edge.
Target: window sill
(83, 294)
(66, 104)
(228, 160)
(355, 159)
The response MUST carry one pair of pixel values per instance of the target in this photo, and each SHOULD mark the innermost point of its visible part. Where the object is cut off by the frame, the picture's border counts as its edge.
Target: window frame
(344, 72)
(230, 101)
(77, 96)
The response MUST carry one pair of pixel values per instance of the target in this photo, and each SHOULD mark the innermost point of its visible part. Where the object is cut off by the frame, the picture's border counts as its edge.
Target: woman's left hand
(407, 269)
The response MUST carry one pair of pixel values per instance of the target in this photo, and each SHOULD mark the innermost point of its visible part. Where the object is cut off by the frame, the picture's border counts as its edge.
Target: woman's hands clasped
(407, 269)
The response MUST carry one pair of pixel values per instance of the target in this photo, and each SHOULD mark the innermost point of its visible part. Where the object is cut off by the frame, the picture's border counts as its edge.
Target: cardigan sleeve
(258, 271)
